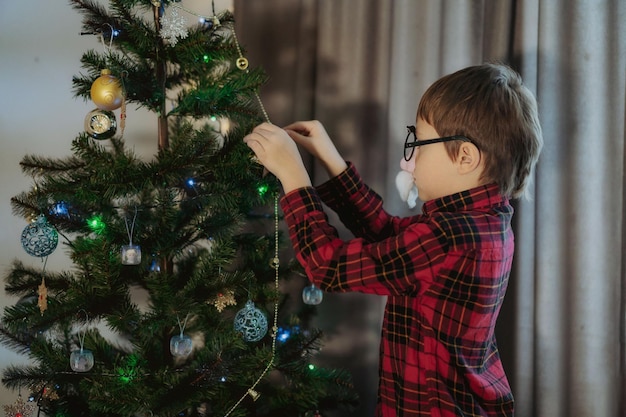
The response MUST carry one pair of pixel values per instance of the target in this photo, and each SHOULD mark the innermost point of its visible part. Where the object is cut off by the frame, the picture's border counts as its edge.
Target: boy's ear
(469, 158)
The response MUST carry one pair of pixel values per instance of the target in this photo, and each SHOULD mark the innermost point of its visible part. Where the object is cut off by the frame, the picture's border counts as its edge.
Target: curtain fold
(360, 67)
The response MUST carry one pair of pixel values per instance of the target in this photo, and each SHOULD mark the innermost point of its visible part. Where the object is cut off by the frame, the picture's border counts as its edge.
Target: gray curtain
(360, 66)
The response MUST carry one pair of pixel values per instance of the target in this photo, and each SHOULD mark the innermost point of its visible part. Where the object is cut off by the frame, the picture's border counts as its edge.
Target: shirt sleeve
(359, 207)
(398, 264)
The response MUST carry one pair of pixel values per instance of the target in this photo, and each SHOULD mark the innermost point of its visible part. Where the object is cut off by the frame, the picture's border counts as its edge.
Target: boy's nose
(407, 165)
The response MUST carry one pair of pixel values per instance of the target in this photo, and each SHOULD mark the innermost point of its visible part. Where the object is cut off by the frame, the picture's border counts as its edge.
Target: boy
(445, 272)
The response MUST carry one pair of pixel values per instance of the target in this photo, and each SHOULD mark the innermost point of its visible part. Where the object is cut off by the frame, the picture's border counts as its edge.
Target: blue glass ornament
(39, 238)
(181, 345)
(251, 323)
(81, 360)
(155, 265)
(312, 295)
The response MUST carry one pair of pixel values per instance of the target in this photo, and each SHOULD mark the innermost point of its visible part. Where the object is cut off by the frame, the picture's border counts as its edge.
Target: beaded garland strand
(242, 64)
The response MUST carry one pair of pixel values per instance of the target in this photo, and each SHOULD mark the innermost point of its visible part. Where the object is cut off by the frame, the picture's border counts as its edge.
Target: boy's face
(434, 172)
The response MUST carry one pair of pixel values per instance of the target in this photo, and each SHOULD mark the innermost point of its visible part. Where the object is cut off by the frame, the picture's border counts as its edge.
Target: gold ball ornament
(106, 91)
(242, 63)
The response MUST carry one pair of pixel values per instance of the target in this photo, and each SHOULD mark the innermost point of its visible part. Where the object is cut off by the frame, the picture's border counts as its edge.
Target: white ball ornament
(251, 323)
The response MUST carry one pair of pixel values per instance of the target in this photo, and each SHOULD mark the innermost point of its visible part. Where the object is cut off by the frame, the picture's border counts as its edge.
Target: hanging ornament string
(123, 107)
(130, 230)
(107, 48)
(183, 325)
(275, 264)
(83, 332)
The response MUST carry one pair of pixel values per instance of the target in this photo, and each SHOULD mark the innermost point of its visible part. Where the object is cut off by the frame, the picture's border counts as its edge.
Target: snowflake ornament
(227, 298)
(173, 27)
(19, 408)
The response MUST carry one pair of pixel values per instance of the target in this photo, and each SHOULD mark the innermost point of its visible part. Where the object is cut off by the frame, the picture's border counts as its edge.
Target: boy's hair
(488, 104)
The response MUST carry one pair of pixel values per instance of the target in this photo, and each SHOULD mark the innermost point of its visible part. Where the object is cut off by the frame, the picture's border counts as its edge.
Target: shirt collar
(479, 197)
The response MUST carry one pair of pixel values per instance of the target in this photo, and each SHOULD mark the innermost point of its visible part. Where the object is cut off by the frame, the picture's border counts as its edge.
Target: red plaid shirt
(445, 273)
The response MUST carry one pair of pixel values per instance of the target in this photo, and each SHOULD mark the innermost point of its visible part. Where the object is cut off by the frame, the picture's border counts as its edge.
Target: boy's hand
(279, 154)
(312, 136)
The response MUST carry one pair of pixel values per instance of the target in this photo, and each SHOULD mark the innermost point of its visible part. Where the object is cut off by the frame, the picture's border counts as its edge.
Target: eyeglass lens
(408, 149)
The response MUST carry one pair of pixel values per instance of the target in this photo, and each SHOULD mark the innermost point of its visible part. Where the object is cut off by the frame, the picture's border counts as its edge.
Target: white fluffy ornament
(407, 188)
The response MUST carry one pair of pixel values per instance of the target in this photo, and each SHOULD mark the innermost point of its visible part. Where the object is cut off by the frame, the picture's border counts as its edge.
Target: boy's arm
(359, 207)
(276, 149)
(396, 265)
(279, 155)
(312, 136)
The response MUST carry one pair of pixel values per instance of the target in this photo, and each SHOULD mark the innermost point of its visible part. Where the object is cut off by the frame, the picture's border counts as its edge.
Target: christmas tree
(173, 305)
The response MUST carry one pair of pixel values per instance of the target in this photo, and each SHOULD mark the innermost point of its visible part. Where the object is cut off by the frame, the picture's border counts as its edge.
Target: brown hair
(488, 104)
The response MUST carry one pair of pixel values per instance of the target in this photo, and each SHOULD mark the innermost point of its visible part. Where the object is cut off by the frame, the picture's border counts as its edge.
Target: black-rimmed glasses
(409, 147)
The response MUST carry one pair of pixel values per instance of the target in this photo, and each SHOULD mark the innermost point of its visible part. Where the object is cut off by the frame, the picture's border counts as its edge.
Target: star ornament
(19, 408)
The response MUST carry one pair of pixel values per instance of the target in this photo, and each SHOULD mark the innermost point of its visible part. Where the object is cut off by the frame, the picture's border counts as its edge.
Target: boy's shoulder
(470, 216)
(481, 196)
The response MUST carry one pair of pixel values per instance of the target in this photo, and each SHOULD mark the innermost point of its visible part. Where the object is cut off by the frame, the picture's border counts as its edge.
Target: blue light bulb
(283, 335)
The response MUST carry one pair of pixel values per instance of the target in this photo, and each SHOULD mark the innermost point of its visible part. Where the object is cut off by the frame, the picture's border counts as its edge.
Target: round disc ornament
(251, 323)
(100, 124)
(39, 238)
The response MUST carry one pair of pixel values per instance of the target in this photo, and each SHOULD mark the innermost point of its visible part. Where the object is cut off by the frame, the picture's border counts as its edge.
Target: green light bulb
(262, 189)
(96, 224)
